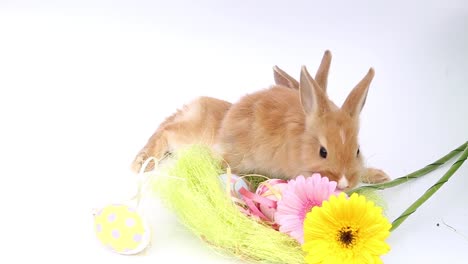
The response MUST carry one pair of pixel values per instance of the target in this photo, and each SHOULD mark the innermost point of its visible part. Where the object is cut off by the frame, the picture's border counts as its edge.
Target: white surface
(83, 85)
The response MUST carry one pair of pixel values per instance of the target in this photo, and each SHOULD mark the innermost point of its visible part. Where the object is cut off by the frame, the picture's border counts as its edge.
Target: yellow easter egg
(121, 229)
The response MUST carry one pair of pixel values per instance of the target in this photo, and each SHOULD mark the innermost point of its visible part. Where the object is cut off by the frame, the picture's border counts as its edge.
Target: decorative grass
(204, 207)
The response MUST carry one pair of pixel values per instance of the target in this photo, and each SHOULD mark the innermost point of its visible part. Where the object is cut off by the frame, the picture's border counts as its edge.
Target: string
(144, 176)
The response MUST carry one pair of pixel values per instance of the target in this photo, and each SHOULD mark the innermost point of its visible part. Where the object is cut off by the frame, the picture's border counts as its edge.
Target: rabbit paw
(372, 175)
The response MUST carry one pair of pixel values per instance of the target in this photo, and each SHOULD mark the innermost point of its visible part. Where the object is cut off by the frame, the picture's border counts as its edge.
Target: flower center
(347, 237)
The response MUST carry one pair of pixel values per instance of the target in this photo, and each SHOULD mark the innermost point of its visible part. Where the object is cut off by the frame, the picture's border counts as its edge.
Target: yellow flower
(345, 230)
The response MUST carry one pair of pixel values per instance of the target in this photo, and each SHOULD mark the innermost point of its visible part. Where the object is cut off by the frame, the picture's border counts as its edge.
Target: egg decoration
(236, 183)
(270, 189)
(121, 229)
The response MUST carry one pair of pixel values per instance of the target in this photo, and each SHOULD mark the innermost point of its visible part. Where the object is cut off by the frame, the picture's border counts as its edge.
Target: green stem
(414, 175)
(430, 191)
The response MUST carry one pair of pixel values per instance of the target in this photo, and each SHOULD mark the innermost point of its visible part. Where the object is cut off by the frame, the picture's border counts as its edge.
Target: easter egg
(236, 183)
(121, 229)
(270, 189)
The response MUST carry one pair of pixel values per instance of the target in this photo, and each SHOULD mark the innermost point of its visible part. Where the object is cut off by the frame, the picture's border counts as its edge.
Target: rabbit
(196, 122)
(283, 132)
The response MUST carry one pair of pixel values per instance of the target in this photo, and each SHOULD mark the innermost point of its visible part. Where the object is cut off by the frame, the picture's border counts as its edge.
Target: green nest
(193, 191)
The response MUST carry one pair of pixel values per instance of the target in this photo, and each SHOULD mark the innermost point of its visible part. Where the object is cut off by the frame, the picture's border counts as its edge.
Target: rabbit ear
(357, 98)
(321, 76)
(282, 78)
(313, 98)
(322, 73)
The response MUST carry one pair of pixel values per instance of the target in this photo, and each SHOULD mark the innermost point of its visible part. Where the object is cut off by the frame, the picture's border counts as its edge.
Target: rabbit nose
(343, 183)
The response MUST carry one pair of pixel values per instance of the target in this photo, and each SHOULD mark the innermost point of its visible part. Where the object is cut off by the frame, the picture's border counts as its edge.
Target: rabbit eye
(323, 152)
(358, 151)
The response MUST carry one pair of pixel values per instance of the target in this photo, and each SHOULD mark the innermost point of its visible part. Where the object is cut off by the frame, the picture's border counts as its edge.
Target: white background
(84, 84)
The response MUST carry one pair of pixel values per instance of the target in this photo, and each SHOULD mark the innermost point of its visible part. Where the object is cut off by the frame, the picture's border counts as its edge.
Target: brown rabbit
(282, 132)
(196, 122)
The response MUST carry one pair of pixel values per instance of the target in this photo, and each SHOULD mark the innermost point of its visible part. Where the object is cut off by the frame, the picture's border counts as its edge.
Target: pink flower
(298, 199)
